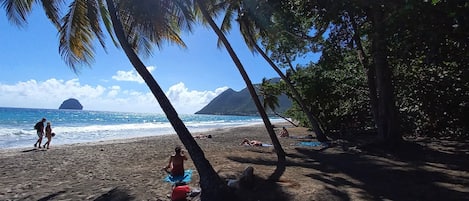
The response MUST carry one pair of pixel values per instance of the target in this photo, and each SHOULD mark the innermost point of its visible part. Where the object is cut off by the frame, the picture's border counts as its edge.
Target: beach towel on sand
(186, 178)
(310, 144)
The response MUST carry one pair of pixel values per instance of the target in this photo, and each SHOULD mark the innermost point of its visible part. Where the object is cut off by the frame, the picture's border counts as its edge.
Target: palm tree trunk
(213, 187)
(290, 64)
(286, 119)
(278, 147)
(297, 97)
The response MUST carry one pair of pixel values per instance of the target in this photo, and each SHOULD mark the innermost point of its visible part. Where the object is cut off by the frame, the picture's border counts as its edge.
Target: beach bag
(180, 193)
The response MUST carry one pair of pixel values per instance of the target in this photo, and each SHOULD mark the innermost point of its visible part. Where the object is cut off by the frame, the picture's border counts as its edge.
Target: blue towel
(310, 144)
(186, 178)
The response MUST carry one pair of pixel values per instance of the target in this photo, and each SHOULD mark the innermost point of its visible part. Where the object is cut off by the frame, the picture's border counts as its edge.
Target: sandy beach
(131, 169)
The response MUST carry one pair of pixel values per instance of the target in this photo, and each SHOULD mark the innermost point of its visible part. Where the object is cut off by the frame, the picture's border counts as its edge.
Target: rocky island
(71, 104)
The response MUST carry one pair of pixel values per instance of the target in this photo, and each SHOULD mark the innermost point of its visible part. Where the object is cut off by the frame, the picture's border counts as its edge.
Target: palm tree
(270, 98)
(248, 30)
(213, 187)
(207, 16)
(253, 27)
(81, 25)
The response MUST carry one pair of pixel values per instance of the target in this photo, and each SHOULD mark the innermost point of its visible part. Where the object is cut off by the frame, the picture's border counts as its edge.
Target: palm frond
(76, 38)
(155, 22)
(93, 16)
(248, 31)
(106, 19)
(17, 10)
(52, 9)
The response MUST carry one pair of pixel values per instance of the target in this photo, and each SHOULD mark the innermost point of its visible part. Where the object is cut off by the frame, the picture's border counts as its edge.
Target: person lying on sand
(176, 163)
(201, 136)
(256, 143)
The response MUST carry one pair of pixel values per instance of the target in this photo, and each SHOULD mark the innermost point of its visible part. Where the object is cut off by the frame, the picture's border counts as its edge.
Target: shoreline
(132, 138)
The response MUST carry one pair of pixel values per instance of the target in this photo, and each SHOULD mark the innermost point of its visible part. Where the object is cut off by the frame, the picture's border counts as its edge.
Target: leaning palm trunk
(213, 187)
(286, 119)
(297, 97)
(278, 147)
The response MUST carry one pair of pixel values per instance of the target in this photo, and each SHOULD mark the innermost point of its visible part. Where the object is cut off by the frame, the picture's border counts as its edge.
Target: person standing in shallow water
(39, 131)
(176, 162)
(48, 135)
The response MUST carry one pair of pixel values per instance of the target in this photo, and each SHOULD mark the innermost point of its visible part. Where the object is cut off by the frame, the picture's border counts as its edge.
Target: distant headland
(71, 104)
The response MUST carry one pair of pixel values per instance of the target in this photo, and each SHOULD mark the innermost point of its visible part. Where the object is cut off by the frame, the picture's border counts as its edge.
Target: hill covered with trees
(232, 102)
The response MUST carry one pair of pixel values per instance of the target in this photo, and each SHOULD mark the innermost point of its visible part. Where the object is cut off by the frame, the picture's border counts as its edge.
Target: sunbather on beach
(253, 143)
(176, 163)
(202, 136)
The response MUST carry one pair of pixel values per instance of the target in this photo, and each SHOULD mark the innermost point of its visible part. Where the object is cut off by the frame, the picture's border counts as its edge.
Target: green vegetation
(392, 68)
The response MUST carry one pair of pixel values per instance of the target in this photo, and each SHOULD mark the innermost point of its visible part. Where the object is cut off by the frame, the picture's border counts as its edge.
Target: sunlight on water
(71, 126)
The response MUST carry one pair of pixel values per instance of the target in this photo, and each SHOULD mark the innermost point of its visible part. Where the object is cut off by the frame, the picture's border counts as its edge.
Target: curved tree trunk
(290, 64)
(297, 97)
(213, 187)
(388, 127)
(278, 147)
(286, 119)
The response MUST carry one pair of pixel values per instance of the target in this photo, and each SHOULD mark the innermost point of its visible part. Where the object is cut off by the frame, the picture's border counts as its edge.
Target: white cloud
(131, 75)
(50, 94)
(187, 100)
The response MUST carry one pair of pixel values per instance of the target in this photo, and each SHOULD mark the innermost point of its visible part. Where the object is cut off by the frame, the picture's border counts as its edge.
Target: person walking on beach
(40, 131)
(176, 163)
(48, 135)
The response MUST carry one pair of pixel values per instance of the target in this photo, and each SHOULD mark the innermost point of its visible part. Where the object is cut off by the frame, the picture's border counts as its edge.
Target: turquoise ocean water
(72, 126)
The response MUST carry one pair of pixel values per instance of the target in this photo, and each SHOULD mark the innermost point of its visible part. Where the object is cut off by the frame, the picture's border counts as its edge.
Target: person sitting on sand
(40, 131)
(253, 143)
(201, 136)
(284, 133)
(176, 163)
(48, 135)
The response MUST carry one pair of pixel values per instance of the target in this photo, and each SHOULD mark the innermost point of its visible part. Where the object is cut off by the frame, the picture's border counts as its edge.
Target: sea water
(79, 126)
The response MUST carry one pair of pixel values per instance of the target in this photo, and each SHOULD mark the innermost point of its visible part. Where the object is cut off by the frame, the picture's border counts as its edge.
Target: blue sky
(33, 74)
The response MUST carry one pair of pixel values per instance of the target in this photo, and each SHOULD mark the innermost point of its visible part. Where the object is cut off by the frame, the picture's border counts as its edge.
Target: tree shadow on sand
(257, 189)
(411, 172)
(116, 194)
(51, 196)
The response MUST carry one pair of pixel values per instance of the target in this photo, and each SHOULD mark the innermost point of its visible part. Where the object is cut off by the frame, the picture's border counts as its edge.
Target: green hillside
(231, 102)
